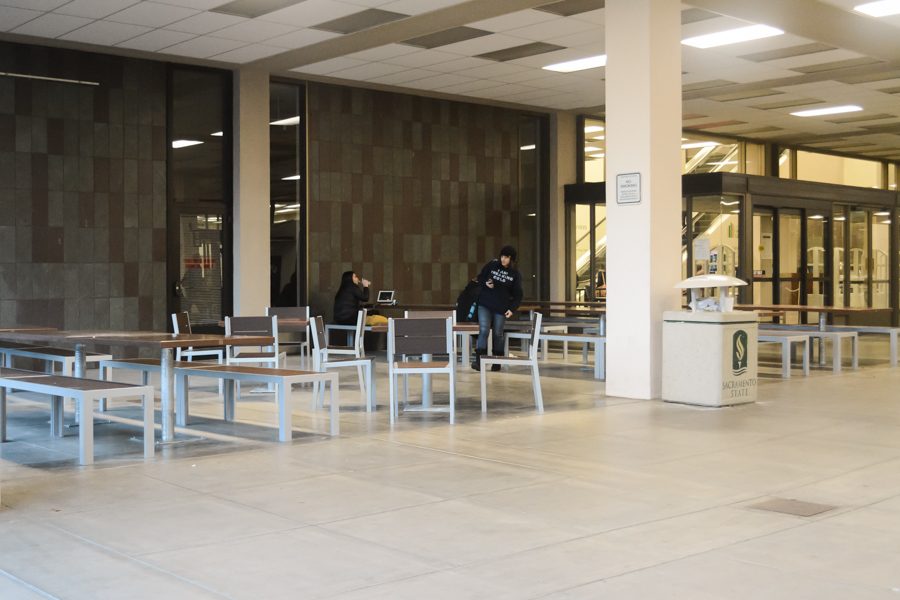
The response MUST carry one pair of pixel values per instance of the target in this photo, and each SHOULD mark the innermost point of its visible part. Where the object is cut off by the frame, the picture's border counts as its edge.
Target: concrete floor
(597, 498)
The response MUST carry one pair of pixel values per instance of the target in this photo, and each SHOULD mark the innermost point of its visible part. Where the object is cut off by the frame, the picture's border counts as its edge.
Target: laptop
(386, 297)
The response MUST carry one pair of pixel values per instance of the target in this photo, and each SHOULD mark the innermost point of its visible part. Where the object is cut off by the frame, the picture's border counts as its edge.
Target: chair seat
(260, 355)
(506, 360)
(350, 359)
(415, 366)
(340, 348)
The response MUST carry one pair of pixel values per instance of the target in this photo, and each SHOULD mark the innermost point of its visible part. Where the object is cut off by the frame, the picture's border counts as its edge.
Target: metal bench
(145, 366)
(282, 379)
(891, 332)
(787, 340)
(837, 338)
(85, 392)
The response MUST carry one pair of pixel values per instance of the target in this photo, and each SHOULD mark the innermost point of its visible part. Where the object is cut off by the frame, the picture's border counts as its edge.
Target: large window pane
(841, 284)
(859, 258)
(529, 213)
(881, 244)
(789, 258)
(600, 252)
(706, 155)
(715, 221)
(816, 277)
(594, 151)
(287, 156)
(825, 168)
(582, 233)
(763, 256)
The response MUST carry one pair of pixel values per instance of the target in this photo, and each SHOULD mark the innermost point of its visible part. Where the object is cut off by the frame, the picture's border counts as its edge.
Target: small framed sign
(628, 188)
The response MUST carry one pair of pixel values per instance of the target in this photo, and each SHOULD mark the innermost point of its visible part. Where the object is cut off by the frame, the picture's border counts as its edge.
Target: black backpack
(467, 303)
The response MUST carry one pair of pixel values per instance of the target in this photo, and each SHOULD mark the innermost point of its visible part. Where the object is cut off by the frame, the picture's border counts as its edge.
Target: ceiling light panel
(828, 110)
(359, 21)
(883, 8)
(522, 51)
(251, 9)
(579, 64)
(732, 36)
(447, 37)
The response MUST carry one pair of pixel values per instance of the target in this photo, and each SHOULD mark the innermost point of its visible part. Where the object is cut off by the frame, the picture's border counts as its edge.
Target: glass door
(199, 288)
(817, 276)
(881, 270)
(763, 256)
(790, 274)
(589, 247)
(858, 259)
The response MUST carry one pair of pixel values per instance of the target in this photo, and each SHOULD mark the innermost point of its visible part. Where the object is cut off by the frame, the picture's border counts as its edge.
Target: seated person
(354, 291)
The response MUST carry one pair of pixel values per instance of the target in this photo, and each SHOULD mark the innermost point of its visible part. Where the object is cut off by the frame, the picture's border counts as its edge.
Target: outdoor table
(163, 342)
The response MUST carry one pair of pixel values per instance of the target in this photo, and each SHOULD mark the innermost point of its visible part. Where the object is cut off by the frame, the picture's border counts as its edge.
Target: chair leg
(536, 383)
(334, 420)
(368, 396)
(392, 398)
(452, 398)
(284, 412)
(805, 349)
(104, 373)
(362, 379)
(85, 431)
(2, 414)
(483, 388)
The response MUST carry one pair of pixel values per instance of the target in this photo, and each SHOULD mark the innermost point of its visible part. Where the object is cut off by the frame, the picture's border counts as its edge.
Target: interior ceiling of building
(494, 51)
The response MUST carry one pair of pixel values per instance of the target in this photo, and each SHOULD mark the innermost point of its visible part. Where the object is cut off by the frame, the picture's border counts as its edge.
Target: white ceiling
(731, 89)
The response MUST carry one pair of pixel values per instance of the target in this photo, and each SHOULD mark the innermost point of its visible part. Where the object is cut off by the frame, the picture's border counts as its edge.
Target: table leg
(284, 412)
(2, 414)
(230, 386)
(786, 359)
(854, 349)
(182, 398)
(893, 337)
(805, 349)
(86, 431)
(334, 421)
(836, 359)
(426, 384)
(823, 322)
(167, 394)
(600, 359)
(57, 416)
(149, 425)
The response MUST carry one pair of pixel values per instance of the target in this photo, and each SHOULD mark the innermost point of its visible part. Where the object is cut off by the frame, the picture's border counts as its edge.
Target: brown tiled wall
(82, 191)
(413, 193)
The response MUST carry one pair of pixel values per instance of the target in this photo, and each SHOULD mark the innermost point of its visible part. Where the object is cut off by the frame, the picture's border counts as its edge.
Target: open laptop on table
(385, 298)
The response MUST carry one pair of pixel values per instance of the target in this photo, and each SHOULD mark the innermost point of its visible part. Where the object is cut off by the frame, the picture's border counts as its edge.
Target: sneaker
(495, 368)
(475, 365)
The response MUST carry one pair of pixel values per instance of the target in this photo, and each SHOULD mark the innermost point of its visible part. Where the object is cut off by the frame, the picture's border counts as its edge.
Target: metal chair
(512, 361)
(424, 337)
(300, 313)
(260, 355)
(181, 323)
(322, 362)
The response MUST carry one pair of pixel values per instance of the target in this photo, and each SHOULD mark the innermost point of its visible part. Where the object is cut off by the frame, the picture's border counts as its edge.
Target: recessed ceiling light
(581, 64)
(886, 222)
(528, 147)
(883, 213)
(840, 218)
(185, 143)
(291, 178)
(593, 129)
(288, 121)
(722, 163)
(829, 110)
(532, 214)
(601, 155)
(732, 36)
(732, 203)
(699, 145)
(592, 149)
(216, 134)
(884, 8)
(817, 217)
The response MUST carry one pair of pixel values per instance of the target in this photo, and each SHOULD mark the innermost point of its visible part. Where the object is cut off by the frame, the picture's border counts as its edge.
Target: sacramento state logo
(739, 352)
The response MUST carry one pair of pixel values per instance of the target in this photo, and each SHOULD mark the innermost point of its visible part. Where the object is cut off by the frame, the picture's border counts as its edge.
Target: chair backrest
(536, 319)
(289, 312)
(430, 314)
(317, 327)
(267, 326)
(420, 336)
(358, 344)
(181, 322)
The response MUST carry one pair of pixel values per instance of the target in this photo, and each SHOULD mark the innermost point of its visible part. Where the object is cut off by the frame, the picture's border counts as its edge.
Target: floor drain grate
(798, 508)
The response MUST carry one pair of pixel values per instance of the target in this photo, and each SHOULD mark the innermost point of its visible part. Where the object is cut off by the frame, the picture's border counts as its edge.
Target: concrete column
(563, 155)
(251, 192)
(643, 132)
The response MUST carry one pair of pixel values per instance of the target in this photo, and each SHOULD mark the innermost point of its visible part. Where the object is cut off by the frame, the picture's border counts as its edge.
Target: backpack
(467, 303)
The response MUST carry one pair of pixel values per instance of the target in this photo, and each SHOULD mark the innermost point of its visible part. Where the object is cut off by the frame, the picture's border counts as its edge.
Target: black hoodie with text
(507, 291)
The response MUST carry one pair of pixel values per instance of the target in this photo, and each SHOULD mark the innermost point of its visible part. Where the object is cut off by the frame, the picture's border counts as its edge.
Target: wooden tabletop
(152, 339)
(25, 328)
(835, 310)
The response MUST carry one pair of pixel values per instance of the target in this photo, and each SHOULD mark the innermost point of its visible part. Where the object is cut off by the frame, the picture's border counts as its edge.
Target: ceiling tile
(470, 86)
(248, 53)
(156, 40)
(788, 52)
(516, 20)
(151, 14)
(417, 7)
(383, 52)
(49, 25)
(300, 38)
(203, 47)
(105, 33)
(552, 28)
(439, 81)
(195, 4)
(40, 5)
(494, 70)
(94, 9)
(10, 18)
(205, 22)
(403, 77)
(254, 31)
(311, 12)
(522, 51)
(359, 21)
(567, 8)
(460, 65)
(692, 15)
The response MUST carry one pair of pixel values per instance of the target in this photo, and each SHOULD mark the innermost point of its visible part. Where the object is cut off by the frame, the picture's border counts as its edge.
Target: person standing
(499, 297)
(354, 291)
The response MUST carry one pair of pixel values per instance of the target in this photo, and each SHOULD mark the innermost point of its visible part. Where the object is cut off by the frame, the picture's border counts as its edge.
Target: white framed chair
(425, 338)
(300, 313)
(530, 361)
(259, 355)
(181, 323)
(322, 363)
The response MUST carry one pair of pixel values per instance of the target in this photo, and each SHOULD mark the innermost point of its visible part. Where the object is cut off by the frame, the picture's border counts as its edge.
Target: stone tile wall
(415, 194)
(82, 191)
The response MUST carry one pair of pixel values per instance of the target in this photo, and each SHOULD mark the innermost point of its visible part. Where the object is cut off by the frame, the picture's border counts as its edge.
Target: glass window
(817, 223)
(785, 162)
(582, 251)
(754, 159)
(826, 168)
(789, 258)
(714, 223)
(840, 272)
(859, 258)
(600, 252)
(881, 271)
(529, 215)
(707, 155)
(287, 189)
(594, 151)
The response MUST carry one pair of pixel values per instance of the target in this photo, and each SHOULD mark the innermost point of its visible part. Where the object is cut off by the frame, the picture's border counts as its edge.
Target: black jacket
(507, 291)
(348, 301)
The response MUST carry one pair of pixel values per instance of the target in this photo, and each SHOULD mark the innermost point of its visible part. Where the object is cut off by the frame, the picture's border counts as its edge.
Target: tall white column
(563, 157)
(643, 132)
(251, 192)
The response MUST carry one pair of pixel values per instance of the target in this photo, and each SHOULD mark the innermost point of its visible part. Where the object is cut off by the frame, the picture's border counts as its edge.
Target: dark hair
(346, 281)
(508, 251)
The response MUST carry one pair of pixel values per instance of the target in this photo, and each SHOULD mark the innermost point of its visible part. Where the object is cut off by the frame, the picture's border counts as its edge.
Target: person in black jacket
(499, 297)
(350, 296)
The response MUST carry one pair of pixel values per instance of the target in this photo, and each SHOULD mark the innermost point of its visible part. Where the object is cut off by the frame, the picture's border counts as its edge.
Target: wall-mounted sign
(628, 188)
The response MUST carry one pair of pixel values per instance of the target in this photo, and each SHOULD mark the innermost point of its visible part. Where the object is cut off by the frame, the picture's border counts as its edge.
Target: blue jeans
(488, 320)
